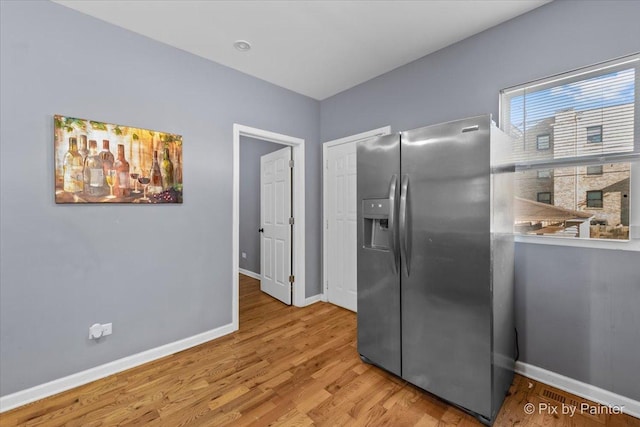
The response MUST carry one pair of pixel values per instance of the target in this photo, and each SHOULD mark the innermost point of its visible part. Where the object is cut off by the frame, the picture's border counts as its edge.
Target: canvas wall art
(98, 162)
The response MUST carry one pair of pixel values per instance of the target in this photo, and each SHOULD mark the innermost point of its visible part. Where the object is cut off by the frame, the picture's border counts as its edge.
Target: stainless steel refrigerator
(435, 260)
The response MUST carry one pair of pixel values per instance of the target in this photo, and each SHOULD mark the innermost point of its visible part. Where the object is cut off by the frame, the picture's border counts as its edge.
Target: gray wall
(250, 152)
(578, 315)
(576, 309)
(159, 273)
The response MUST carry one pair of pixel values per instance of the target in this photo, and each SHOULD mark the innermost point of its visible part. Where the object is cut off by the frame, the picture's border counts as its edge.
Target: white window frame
(633, 244)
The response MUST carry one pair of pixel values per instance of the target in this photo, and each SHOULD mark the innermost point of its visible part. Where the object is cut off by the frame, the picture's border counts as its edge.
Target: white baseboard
(312, 300)
(584, 390)
(250, 273)
(41, 391)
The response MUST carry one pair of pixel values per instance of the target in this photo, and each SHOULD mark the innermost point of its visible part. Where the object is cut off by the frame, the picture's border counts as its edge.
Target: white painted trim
(584, 390)
(610, 244)
(250, 274)
(298, 211)
(314, 299)
(386, 130)
(634, 203)
(41, 391)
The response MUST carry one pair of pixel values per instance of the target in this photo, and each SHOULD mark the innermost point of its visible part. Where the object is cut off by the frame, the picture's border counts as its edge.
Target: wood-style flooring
(285, 366)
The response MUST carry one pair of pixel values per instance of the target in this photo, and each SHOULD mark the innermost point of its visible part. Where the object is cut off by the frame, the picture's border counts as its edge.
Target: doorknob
(261, 230)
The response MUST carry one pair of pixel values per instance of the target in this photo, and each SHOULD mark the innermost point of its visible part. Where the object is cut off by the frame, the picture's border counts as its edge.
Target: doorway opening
(298, 204)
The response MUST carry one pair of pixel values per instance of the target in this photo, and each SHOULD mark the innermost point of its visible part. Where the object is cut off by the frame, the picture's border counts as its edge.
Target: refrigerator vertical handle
(393, 191)
(405, 224)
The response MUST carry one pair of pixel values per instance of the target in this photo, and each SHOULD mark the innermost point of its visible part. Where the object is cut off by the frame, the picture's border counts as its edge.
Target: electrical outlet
(244, 255)
(97, 330)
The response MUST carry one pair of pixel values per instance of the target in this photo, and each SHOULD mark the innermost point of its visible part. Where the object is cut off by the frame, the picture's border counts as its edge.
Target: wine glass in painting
(144, 180)
(111, 180)
(134, 176)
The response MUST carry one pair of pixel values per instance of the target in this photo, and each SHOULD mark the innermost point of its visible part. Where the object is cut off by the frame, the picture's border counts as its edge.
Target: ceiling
(316, 48)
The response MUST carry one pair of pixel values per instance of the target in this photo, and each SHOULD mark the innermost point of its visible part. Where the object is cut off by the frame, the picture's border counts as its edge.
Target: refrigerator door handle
(393, 191)
(405, 224)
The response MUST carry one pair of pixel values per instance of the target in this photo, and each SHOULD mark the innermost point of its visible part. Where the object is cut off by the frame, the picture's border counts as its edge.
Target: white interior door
(341, 218)
(275, 211)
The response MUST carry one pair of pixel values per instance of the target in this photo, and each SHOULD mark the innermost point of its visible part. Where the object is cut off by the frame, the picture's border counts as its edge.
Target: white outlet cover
(244, 255)
(95, 331)
(107, 329)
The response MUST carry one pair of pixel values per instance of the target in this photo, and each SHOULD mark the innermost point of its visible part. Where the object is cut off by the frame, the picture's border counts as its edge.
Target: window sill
(620, 245)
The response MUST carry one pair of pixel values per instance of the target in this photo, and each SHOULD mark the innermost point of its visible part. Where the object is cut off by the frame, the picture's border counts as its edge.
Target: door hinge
(290, 163)
(291, 221)
(326, 164)
(292, 279)
(327, 224)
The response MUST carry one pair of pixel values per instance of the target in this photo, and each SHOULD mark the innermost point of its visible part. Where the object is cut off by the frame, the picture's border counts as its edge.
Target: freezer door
(378, 260)
(444, 233)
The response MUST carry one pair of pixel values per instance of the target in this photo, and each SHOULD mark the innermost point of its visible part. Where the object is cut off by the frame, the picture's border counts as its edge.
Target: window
(543, 142)
(594, 134)
(544, 173)
(573, 110)
(594, 170)
(594, 199)
(544, 197)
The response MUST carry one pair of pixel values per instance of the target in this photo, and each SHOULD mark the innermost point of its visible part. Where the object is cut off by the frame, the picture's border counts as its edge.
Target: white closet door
(341, 225)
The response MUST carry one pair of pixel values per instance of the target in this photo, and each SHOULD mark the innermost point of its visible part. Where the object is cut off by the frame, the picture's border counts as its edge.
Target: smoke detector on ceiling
(242, 45)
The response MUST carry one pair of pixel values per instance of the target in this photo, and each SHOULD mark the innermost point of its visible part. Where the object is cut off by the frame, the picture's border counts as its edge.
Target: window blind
(577, 118)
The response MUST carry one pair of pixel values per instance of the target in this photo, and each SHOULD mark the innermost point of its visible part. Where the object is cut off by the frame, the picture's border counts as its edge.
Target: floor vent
(561, 397)
(553, 396)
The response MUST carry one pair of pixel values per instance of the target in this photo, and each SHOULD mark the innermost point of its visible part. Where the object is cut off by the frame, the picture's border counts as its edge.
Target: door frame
(385, 130)
(298, 238)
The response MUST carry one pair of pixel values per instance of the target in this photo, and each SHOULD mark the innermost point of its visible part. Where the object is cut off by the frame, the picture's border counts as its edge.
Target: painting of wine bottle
(135, 165)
